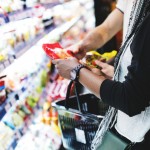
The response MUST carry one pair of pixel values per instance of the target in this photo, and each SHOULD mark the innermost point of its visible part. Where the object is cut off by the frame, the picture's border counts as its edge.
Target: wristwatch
(75, 72)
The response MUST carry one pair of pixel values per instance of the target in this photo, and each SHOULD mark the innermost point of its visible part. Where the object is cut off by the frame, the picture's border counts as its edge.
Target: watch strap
(77, 69)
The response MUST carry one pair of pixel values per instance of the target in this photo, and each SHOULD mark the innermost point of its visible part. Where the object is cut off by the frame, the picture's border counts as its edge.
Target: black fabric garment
(133, 95)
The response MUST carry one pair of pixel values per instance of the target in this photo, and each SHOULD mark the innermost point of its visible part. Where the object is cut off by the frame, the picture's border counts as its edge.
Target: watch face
(73, 74)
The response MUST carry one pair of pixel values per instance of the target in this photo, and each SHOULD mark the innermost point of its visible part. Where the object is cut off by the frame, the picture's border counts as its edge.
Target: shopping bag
(79, 117)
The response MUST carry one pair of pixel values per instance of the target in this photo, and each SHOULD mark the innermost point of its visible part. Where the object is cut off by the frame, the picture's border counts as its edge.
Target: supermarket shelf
(50, 5)
(69, 25)
(6, 63)
(59, 31)
(21, 131)
(4, 108)
(23, 48)
(22, 14)
(27, 45)
(46, 36)
(13, 145)
(27, 13)
(20, 94)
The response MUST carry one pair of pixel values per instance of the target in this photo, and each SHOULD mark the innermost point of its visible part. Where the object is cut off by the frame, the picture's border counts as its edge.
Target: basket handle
(76, 93)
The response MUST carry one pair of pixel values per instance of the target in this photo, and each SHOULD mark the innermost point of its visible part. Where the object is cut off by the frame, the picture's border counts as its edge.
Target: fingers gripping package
(55, 51)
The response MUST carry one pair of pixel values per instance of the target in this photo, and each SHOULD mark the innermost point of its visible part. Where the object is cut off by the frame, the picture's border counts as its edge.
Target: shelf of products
(16, 40)
(32, 83)
(17, 10)
(6, 106)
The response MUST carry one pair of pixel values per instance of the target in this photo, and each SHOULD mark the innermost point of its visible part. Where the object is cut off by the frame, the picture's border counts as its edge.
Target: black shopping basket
(79, 117)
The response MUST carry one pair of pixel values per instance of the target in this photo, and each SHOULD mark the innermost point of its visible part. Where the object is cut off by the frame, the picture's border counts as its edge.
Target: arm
(99, 35)
(91, 81)
(103, 33)
(131, 96)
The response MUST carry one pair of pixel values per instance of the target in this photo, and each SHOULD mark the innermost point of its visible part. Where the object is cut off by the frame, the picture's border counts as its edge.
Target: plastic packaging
(55, 51)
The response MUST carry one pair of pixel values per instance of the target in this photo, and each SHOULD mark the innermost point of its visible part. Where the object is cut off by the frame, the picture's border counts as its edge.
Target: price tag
(7, 107)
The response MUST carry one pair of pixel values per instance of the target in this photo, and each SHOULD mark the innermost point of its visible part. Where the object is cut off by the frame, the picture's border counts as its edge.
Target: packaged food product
(91, 56)
(55, 51)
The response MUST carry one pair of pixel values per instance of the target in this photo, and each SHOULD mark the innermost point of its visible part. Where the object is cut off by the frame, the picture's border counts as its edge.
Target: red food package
(55, 51)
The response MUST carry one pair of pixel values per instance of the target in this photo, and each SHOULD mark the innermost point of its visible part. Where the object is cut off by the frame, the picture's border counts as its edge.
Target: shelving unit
(30, 51)
(26, 13)
(60, 30)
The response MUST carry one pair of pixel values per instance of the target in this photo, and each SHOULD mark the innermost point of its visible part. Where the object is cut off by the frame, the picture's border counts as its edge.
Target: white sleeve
(121, 4)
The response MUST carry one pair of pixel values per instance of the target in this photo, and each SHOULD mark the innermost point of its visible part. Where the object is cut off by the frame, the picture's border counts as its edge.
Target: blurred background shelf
(27, 120)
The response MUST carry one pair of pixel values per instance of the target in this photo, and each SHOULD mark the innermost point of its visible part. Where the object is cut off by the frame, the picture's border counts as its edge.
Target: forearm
(95, 38)
(91, 81)
(123, 96)
(103, 33)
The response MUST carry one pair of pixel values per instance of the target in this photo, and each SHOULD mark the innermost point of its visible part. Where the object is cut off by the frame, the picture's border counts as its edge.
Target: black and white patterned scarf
(139, 10)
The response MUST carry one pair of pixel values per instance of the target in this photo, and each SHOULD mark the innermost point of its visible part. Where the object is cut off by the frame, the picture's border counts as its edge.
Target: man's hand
(65, 66)
(78, 50)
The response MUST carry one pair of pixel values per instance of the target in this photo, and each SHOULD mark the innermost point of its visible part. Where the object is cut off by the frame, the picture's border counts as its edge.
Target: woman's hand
(106, 69)
(65, 66)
